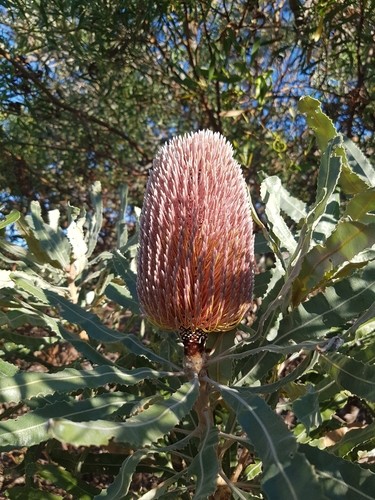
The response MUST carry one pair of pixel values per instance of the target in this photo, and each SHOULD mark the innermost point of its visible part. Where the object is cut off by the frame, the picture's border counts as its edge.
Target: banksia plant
(196, 253)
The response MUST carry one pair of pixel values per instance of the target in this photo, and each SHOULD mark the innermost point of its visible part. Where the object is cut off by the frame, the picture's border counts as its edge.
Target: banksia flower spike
(196, 252)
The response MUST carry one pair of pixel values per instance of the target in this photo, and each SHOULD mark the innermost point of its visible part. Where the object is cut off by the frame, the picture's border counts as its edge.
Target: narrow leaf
(352, 439)
(122, 296)
(31, 428)
(339, 478)
(362, 207)
(271, 195)
(120, 486)
(25, 385)
(144, 428)
(11, 218)
(307, 409)
(357, 377)
(319, 122)
(359, 163)
(339, 303)
(287, 474)
(319, 265)
(97, 331)
(205, 465)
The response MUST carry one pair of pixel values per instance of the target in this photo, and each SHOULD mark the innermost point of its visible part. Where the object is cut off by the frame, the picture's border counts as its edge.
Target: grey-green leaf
(357, 377)
(286, 473)
(142, 429)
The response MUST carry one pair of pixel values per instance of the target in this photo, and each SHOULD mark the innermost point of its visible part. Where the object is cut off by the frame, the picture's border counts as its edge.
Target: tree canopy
(89, 90)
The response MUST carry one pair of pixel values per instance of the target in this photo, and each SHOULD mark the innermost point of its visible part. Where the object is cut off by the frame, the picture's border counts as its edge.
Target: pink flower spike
(196, 252)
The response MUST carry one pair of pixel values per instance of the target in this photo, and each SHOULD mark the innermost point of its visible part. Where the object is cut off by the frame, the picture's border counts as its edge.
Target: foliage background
(89, 91)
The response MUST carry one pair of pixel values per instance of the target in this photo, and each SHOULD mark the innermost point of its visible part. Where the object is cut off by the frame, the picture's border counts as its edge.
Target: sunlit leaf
(11, 218)
(319, 265)
(144, 428)
(357, 377)
(25, 385)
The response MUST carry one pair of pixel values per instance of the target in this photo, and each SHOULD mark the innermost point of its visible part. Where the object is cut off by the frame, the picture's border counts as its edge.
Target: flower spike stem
(195, 366)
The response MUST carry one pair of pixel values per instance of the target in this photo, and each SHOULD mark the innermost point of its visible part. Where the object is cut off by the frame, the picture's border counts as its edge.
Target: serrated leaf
(144, 428)
(357, 377)
(79, 248)
(25, 385)
(53, 242)
(329, 219)
(352, 439)
(120, 486)
(7, 369)
(97, 331)
(362, 207)
(271, 195)
(339, 478)
(31, 428)
(122, 266)
(359, 163)
(319, 265)
(287, 474)
(205, 464)
(339, 303)
(322, 126)
(95, 220)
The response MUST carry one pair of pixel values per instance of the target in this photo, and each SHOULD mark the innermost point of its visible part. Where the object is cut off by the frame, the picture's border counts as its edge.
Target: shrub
(269, 413)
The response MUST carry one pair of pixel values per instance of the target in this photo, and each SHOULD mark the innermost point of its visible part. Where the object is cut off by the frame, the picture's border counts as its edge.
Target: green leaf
(7, 369)
(84, 348)
(339, 303)
(218, 343)
(122, 296)
(205, 465)
(359, 163)
(61, 478)
(144, 428)
(25, 385)
(51, 240)
(31, 428)
(328, 177)
(120, 486)
(271, 195)
(319, 265)
(286, 473)
(11, 218)
(307, 410)
(352, 439)
(122, 266)
(357, 377)
(339, 478)
(23, 492)
(322, 126)
(329, 219)
(362, 207)
(97, 331)
(95, 221)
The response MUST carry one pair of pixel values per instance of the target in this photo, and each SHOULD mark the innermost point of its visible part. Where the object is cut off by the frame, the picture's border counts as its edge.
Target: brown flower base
(194, 349)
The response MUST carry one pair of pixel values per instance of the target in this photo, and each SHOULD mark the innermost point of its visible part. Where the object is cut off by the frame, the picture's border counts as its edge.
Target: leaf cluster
(304, 354)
